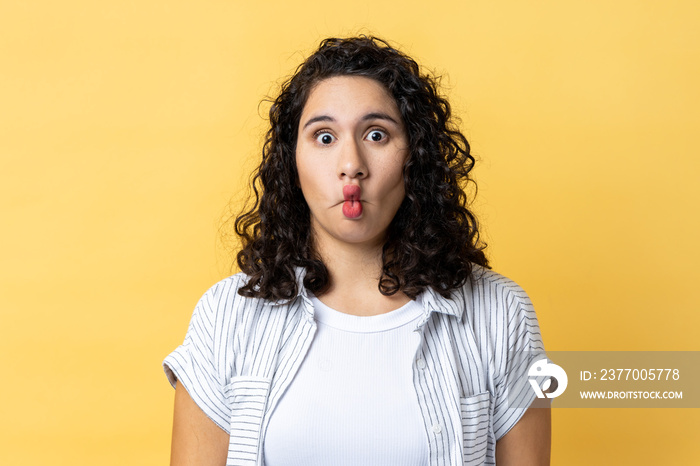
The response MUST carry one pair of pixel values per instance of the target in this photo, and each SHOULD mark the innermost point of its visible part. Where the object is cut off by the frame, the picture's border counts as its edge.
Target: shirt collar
(435, 302)
(432, 300)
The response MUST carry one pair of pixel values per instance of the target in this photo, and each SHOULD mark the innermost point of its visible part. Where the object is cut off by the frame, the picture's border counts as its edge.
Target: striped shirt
(240, 355)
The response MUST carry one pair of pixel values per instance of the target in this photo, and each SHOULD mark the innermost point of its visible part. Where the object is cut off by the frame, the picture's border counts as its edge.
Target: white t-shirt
(352, 402)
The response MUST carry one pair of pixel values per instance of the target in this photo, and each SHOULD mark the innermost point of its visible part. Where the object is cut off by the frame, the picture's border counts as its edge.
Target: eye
(324, 138)
(376, 135)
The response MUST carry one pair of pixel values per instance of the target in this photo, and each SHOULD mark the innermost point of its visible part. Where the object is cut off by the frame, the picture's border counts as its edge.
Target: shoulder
(222, 301)
(486, 280)
(499, 310)
(227, 285)
(489, 294)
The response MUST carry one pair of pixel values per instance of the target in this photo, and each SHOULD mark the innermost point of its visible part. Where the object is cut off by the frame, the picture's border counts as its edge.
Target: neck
(351, 265)
(354, 271)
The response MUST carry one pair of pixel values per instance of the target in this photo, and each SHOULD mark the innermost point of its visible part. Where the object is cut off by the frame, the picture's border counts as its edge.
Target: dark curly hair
(432, 241)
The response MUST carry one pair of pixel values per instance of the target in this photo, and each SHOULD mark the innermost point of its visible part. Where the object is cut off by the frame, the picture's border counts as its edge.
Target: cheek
(304, 170)
(393, 175)
(312, 181)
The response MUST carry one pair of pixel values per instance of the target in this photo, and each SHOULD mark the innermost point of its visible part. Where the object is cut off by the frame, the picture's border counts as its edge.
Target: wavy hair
(432, 241)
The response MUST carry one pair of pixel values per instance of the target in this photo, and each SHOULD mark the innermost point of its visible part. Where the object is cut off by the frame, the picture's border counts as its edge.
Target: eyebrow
(369, 116)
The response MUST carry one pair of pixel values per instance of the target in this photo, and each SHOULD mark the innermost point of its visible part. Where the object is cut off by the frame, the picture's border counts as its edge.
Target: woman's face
(351, 148)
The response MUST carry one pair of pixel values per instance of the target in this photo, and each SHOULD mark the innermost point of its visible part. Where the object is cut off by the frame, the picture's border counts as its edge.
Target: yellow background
(126, 128)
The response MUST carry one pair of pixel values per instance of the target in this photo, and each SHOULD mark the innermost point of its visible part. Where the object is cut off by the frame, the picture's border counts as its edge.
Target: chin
(358, 236)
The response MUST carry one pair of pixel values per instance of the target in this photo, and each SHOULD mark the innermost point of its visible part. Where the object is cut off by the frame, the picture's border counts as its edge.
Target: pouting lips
(352, 207)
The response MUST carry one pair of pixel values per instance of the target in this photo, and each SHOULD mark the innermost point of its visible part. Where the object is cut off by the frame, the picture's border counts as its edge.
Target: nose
(351, 163)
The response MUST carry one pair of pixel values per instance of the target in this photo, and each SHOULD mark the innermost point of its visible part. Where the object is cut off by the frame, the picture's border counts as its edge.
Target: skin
(197, 440)
(350, 132)
(529, 442)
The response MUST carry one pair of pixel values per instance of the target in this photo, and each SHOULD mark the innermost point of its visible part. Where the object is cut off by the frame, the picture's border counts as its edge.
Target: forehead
(349, 96)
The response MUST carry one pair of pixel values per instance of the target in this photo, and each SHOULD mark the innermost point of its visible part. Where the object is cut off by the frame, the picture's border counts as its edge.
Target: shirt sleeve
(195, 363)
(523, 346)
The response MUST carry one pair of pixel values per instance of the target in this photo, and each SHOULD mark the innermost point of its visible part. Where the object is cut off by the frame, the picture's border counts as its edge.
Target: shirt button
(421, 363)
(436, 428)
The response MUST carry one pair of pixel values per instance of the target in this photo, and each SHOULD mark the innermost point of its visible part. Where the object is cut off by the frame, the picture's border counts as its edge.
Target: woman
(365, 327)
